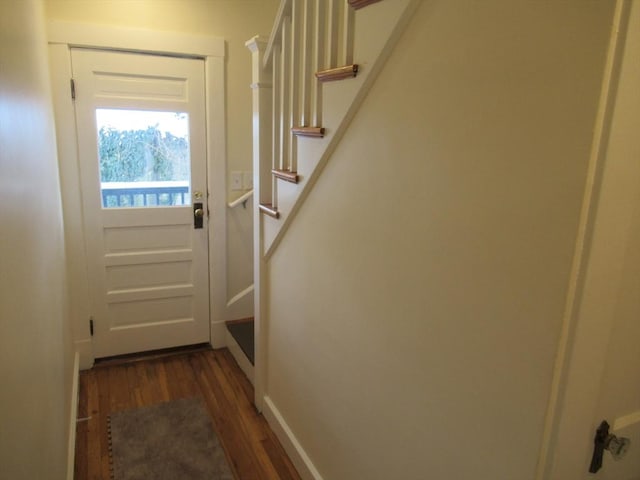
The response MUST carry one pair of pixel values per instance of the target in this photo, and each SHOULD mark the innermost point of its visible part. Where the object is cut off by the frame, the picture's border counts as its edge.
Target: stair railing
(312, 42)
(308, 36)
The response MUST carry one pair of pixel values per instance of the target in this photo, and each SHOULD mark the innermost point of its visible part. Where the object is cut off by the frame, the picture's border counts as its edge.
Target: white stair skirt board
(238, 354)
(297, 454)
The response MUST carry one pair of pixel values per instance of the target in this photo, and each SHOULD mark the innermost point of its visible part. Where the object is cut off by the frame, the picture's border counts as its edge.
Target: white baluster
(276, 158)
(297, 11)
(285, 86)
(332, 33)
(306, 56)
(319, 44)
(348, 32)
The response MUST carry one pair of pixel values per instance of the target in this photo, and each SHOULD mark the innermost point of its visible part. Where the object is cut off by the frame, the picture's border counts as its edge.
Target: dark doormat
(168, 441)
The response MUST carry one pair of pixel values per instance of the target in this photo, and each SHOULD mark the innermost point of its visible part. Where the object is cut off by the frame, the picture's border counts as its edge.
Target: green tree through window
(142, 155)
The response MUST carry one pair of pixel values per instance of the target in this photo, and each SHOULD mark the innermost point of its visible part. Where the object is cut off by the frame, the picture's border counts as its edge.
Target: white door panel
(148, 266)
(603, 375)
(619, 401)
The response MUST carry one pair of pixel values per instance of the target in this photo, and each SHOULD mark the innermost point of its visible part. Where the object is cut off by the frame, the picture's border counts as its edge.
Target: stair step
(338, 73)
(268, 209)
(358, 4)
(286, 175)
(308, 131)
(243, 333)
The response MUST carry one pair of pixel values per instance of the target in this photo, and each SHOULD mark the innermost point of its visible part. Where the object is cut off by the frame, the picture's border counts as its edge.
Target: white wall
(35, 351)
(417, 298)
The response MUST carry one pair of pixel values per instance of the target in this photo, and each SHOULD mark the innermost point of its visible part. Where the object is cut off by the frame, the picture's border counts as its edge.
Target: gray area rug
(169, 441)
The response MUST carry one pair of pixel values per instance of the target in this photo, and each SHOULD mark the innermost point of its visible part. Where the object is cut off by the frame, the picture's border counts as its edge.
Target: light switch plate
(247, 180)
(236, 181)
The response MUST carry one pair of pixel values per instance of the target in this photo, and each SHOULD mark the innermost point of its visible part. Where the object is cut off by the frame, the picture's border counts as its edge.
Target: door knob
(618, 446)
(198, 215)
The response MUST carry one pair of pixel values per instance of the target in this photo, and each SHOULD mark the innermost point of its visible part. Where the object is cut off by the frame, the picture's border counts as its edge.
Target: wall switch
(236, 181)
(247, 180)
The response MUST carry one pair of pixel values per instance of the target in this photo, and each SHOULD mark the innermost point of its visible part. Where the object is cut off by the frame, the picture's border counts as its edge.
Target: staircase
(309, 79)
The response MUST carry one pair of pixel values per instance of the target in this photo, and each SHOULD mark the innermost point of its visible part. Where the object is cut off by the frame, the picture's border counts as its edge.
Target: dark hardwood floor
(252, 449)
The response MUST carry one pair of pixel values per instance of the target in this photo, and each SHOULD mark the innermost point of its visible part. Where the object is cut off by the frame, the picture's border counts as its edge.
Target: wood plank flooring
(252, 449)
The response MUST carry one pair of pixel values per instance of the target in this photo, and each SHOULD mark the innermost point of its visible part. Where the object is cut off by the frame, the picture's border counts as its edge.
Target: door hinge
(73, 89)
(91, 326)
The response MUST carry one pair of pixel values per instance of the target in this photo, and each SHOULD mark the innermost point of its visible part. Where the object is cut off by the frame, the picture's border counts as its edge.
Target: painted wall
(416, 301)
(35, 351)
(236, 21)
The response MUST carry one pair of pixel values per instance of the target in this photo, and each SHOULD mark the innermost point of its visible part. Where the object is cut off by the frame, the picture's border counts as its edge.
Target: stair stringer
(378, 29)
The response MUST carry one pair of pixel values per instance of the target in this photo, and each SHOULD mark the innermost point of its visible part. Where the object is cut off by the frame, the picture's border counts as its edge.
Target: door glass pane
(144, 158)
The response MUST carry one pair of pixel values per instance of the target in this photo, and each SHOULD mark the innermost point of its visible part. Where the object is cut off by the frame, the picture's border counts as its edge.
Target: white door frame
(62, 36)
(613, 185)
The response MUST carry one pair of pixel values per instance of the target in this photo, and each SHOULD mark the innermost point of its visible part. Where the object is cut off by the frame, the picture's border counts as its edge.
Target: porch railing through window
(144, 194)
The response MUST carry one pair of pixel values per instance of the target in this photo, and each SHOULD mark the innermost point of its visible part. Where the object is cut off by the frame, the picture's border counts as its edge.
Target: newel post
(262, 193)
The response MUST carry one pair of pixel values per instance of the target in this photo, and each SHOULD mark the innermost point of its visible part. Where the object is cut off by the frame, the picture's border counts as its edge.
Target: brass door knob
(198, 212)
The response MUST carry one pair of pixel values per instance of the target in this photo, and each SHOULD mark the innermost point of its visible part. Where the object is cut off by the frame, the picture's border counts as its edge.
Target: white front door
(142, 153)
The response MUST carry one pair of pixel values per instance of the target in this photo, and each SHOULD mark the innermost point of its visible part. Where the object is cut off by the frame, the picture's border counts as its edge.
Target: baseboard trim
(297, 454)
(73, 417)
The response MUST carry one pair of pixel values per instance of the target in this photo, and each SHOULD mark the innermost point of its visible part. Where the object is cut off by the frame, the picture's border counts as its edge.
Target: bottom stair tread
(242, 332)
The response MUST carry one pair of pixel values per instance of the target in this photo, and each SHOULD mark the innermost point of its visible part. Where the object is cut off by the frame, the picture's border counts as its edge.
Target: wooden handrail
(358, 4)
(284, 10)
(339, 73)
(286, 175)
(268, 209)
(308, 131)
(241, 200)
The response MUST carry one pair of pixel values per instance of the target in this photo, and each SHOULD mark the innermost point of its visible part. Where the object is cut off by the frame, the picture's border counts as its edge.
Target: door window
(144, 158)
